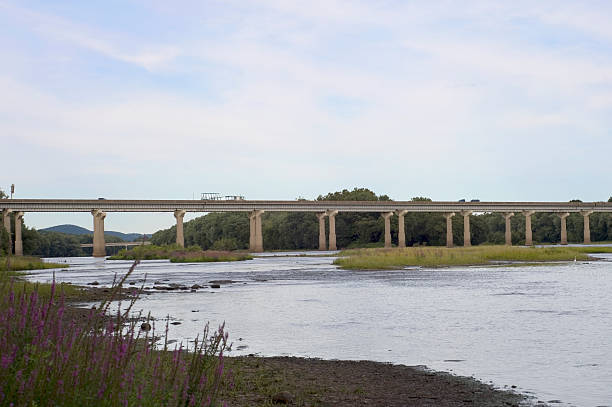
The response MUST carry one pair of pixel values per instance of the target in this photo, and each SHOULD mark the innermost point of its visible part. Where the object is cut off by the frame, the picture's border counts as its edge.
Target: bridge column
(563, 217)
(387, 217)
(467, 236)
(256, 235)
(508, 235)
(99, 246)
(18, 241)
(528, 234)
(332, 229)
(401, 232)
(587, 226)
(449, 228)
(322, 240)
(179, 214)
(6, 220)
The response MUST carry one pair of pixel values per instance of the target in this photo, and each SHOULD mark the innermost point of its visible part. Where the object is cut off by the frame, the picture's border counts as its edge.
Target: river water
(545, 329)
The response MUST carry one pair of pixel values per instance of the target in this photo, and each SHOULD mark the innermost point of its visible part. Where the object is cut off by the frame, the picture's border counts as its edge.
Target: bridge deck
(113, 205)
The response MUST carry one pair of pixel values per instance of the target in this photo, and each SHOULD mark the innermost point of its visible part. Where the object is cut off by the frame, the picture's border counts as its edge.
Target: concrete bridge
(118, 244)
(388, 209)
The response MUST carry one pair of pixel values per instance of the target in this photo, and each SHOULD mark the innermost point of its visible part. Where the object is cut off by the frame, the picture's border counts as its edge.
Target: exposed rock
(283, 397)
(93, 283)
(215, 286)
(195, 286)
(175, 323)
(145, 326)
(221, 281)
(132, 283)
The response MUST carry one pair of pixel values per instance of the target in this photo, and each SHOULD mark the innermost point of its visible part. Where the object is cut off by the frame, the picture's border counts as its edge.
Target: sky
(279, 99)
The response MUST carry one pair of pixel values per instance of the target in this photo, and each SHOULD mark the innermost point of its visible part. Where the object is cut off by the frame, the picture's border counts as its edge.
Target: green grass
(11, 271)
(380, 259)
(21, 263)
(178, 254)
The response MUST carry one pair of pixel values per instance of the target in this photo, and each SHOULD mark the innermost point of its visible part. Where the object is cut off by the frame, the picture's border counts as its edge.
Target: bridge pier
(179, 214)
(563, 217)
(508, 234)
(99, 246)
(6, 220)
(322, 239)
(449, 228)
(528, 233)
(587, 226)
(332, 229)
(387, 217)
(256, 235)
(467, 236)
(401, 231)
(18, 241)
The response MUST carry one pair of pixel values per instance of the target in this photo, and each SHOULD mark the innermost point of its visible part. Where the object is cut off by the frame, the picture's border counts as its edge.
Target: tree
(4, 196)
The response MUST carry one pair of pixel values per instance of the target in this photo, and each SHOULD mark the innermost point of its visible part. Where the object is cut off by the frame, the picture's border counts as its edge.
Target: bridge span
(99, 207)
(125, 245)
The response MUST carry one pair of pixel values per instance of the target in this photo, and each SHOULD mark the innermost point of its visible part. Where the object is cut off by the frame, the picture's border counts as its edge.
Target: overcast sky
(279, 99)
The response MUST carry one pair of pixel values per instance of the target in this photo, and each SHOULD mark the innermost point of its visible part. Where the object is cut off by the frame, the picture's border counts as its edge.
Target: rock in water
(283, 397)
(145, 326)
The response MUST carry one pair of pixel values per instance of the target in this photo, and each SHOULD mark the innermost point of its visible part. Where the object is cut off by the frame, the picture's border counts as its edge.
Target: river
(545, 329)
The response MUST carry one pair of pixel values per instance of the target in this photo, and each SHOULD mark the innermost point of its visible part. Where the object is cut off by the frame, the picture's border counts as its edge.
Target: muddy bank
(313, 382)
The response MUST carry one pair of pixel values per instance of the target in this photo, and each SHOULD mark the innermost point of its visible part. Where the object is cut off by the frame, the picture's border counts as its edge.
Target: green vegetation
(26, 263)
(50, 358)
(178, 254)
(380, 259)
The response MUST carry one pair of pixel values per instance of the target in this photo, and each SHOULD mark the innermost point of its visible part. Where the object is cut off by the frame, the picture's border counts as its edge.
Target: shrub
(49, 359)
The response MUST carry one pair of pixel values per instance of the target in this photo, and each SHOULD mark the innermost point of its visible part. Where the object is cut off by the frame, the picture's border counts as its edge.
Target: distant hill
(77, 230)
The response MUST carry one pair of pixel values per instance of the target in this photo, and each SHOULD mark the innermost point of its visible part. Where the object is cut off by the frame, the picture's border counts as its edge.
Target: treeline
(297, 230)
(53, 244)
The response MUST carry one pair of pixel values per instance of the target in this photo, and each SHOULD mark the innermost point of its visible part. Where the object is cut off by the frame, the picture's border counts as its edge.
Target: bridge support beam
(508, 234)
(528, 234)
(467, 236)
(332, 229)
(587, 226)
(387, 217)
(179, 214)
(322, 239)
(6, 220)
(99, 246)
(401, 231)
(256, 235)
(563, 217)
(18, 241)
(449, 228)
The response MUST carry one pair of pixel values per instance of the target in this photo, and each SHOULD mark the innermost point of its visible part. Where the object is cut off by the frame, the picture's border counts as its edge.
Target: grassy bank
(377, 259)
(24, 263)
(178, 254)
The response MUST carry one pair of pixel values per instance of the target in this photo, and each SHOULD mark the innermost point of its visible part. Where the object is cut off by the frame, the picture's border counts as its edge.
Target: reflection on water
(545, 329)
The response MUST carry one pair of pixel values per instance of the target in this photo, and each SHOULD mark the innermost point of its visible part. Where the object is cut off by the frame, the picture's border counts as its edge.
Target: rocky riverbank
(294, 381)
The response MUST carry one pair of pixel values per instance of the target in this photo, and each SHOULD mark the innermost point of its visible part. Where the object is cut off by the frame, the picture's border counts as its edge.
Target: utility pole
(12, 190)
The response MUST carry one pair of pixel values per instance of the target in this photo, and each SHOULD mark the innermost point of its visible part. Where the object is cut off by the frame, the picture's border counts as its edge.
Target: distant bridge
(330, 209)
(119, 244)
